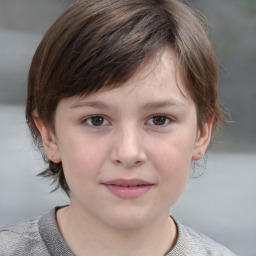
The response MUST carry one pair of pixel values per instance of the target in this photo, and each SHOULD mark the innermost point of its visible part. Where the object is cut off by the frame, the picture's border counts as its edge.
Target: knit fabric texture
(40, 236)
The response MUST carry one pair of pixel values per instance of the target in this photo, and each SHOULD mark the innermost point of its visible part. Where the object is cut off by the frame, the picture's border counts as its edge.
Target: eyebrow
(164, 103)
(149, 105)
(92, 104)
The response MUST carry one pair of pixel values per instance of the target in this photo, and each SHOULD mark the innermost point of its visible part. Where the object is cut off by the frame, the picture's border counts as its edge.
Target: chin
(129, 219)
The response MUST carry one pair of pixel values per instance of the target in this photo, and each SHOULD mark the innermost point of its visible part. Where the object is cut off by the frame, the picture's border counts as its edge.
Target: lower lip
(128, 192)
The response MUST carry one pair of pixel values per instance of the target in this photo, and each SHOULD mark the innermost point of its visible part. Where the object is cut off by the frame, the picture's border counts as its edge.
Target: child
(122, 96)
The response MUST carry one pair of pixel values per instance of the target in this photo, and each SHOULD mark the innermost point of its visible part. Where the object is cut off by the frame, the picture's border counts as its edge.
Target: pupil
(159, 120)
(97, 120)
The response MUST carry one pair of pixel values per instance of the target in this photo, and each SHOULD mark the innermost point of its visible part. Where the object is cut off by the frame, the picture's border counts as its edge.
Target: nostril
(128, 164)
(128, 156)
(138, 162)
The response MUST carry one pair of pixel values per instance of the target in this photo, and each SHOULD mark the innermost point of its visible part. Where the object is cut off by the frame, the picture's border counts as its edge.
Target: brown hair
(99, 44)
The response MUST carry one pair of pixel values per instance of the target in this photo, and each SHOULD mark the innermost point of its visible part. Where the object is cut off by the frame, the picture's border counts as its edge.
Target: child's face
(128, 164)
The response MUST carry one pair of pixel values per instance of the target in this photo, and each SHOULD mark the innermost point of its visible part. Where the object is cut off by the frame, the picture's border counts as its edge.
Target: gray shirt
(40, 236)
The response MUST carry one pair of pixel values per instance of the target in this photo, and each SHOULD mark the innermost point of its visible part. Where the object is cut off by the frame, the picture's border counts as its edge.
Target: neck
(86, 236)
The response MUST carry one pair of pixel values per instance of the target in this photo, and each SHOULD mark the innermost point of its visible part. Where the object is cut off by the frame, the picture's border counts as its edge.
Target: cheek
(81, 160)
(174, 154)
(173, 178)
(173, 159)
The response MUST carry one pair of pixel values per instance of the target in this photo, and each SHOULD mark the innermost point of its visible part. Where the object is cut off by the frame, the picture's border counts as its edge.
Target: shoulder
(192, 242)
(22, 239)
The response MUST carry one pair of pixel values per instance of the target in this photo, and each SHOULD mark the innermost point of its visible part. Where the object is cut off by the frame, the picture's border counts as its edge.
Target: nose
(128, 148)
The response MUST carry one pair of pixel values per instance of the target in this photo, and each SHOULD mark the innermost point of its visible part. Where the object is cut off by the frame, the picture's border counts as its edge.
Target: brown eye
(96, 121)
(159, 120)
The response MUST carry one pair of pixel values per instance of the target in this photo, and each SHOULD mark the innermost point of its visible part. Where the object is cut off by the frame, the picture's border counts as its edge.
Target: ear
(203, 140)
(49, 140)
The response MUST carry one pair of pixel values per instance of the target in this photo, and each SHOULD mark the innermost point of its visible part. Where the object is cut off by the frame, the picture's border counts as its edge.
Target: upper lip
(127, 183)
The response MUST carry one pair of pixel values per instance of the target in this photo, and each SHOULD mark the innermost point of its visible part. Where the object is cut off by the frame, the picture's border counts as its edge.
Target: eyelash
(167, 120)
(164, 117)
(90, 118)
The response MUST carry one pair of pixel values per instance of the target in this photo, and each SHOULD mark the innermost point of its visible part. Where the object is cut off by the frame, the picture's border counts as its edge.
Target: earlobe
(203, 140)
(49, 140)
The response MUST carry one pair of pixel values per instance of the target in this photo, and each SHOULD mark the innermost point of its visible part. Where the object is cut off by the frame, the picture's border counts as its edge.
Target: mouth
(128, 189)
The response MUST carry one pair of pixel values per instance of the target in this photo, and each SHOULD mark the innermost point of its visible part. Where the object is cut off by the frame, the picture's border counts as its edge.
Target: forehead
(158, 79)
(161, 69)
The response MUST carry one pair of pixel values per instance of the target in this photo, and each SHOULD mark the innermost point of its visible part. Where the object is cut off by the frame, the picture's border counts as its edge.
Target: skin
(146, 129)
